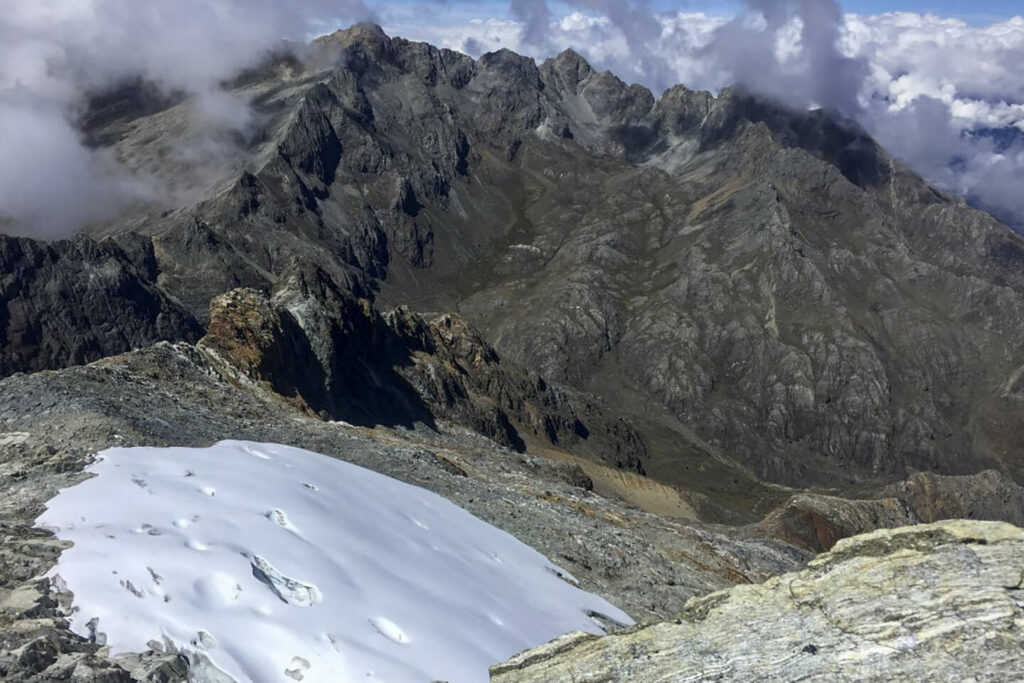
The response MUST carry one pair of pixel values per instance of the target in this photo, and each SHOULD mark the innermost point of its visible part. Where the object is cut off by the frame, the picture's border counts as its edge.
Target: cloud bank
(944, 96)
(53, 53)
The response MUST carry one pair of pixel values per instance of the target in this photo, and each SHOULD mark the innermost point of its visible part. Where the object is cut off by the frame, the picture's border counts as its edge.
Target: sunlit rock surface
(937, 602)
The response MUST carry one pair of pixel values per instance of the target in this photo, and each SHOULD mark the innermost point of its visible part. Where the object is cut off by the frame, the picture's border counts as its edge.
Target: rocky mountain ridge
(767, 282)
(336, 357)
(816, 522)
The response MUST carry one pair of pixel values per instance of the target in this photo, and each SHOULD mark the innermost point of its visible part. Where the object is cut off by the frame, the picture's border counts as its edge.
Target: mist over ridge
(910, 80)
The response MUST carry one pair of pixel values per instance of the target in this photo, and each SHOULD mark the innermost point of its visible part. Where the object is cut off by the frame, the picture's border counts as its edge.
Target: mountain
(72, 302)
(746, 283)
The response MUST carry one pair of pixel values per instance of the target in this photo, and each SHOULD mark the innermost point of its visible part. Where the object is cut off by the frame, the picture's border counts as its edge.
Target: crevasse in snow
(270, 563)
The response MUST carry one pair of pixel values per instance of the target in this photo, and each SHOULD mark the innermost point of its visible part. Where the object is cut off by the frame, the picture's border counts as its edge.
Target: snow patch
(286, 565)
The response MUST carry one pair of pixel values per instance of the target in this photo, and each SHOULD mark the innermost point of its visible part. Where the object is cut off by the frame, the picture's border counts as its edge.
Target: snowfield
(270, 563)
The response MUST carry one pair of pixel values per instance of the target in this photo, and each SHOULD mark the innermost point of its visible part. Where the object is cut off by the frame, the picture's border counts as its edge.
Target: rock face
(746, 283)
(938, 602)
(816, 522)
(988, 496)
(69, 303)
(339, 358)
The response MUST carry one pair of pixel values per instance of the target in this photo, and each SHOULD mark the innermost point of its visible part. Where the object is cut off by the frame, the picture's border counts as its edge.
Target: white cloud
(935, 86)
(49, 182)
(54, 52)
(916, 81)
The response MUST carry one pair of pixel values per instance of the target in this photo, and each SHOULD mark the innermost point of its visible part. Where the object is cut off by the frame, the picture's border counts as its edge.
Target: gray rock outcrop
(937, 602)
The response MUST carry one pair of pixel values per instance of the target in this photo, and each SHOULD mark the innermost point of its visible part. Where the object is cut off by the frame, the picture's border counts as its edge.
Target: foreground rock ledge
(937, 602)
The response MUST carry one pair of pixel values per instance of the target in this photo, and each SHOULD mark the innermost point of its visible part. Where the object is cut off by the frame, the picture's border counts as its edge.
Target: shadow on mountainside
(346, 372)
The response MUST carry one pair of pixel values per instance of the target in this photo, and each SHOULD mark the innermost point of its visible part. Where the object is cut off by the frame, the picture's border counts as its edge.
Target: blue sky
(984, 11)
(978, 12)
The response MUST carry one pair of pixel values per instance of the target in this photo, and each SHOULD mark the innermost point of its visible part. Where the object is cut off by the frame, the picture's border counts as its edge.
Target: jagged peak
(361, 32)
(505, 55)
(571, 66)
(370, 37)
(512, 65)
(680, 91)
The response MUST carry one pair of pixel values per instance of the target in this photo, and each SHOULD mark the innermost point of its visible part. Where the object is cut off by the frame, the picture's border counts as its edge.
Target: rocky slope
(941, 602)
(51, 423)
(815, 521)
